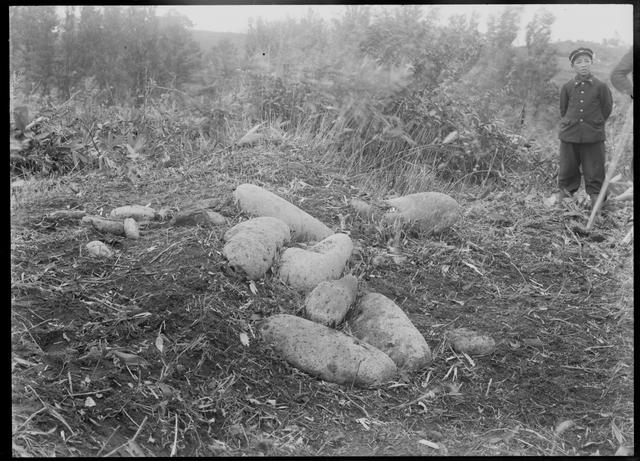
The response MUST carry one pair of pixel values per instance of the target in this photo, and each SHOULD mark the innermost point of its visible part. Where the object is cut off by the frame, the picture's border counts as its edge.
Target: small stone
(216, 218)
(97, 249)
(329, 302)
(361, 207)
(131, 229)
(470, 342)
(379, 260)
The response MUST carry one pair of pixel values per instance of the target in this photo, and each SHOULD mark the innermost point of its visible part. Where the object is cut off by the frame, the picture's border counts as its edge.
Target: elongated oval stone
(383, 324)
(327, 353)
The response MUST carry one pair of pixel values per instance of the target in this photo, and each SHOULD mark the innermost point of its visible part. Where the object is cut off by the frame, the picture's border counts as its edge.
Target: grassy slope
(559, 306)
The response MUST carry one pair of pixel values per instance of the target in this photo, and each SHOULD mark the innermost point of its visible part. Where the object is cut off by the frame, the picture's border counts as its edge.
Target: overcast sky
(592, 22)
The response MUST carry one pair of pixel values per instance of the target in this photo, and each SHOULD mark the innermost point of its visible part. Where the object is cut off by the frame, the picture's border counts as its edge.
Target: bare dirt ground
(141, 354)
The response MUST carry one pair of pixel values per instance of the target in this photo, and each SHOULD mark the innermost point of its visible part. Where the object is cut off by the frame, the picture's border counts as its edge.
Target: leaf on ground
(364, 422)
(472, 267)
(130, 359)
(563, 426)
(450, 137)
(244, 339)
(89, 402)
(253, 288)
(159, 343)
(616, 433)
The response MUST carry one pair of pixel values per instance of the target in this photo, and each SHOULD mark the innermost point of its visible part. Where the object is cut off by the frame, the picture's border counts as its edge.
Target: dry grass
(140, 355)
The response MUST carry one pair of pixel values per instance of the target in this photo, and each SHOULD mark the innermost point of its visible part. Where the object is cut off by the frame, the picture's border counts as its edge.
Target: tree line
(121, 49)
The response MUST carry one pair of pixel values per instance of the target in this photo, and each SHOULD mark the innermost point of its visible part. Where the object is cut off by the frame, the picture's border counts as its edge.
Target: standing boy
(585, 105)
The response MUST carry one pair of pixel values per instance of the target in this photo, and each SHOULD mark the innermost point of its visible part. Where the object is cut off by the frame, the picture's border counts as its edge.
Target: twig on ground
(33, 415)
(174, 447)
(107, 441)
(164, 251)
(99, 391)
(51, 410)
(133, 439)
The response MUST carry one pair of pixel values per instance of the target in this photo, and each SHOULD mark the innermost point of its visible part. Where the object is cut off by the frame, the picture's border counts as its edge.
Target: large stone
(257, 201)
(327, 353)
(470, 342)
(305, 269)
(253, 245)
(431, 212)
(381, 323)
(329, 302)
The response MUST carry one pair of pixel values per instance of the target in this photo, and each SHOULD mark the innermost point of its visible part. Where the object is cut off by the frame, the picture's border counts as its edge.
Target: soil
(140, 355)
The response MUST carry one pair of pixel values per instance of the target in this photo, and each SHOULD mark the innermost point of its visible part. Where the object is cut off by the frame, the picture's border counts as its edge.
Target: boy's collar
(588, 78)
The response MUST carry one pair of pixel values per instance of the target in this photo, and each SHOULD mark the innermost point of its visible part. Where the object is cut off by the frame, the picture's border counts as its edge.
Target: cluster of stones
(127, 220)
(383, 339)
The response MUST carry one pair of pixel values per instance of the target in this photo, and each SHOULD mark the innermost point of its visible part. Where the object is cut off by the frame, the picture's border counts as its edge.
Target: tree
(31, 43)
(396, 37)
(68, 69)
(223, 58)
(178, 53)
(454, 48)
(530, 81)
(496, 59)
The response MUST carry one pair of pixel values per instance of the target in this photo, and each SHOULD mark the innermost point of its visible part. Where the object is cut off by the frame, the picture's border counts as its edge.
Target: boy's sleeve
(619, 75)
(607, 101)
(564, 100)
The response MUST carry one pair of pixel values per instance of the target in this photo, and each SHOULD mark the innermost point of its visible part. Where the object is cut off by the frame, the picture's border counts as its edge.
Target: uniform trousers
(591, 157)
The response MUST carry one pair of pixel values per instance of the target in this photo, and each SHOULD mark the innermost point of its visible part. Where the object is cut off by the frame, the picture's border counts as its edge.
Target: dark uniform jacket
(585, 104)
